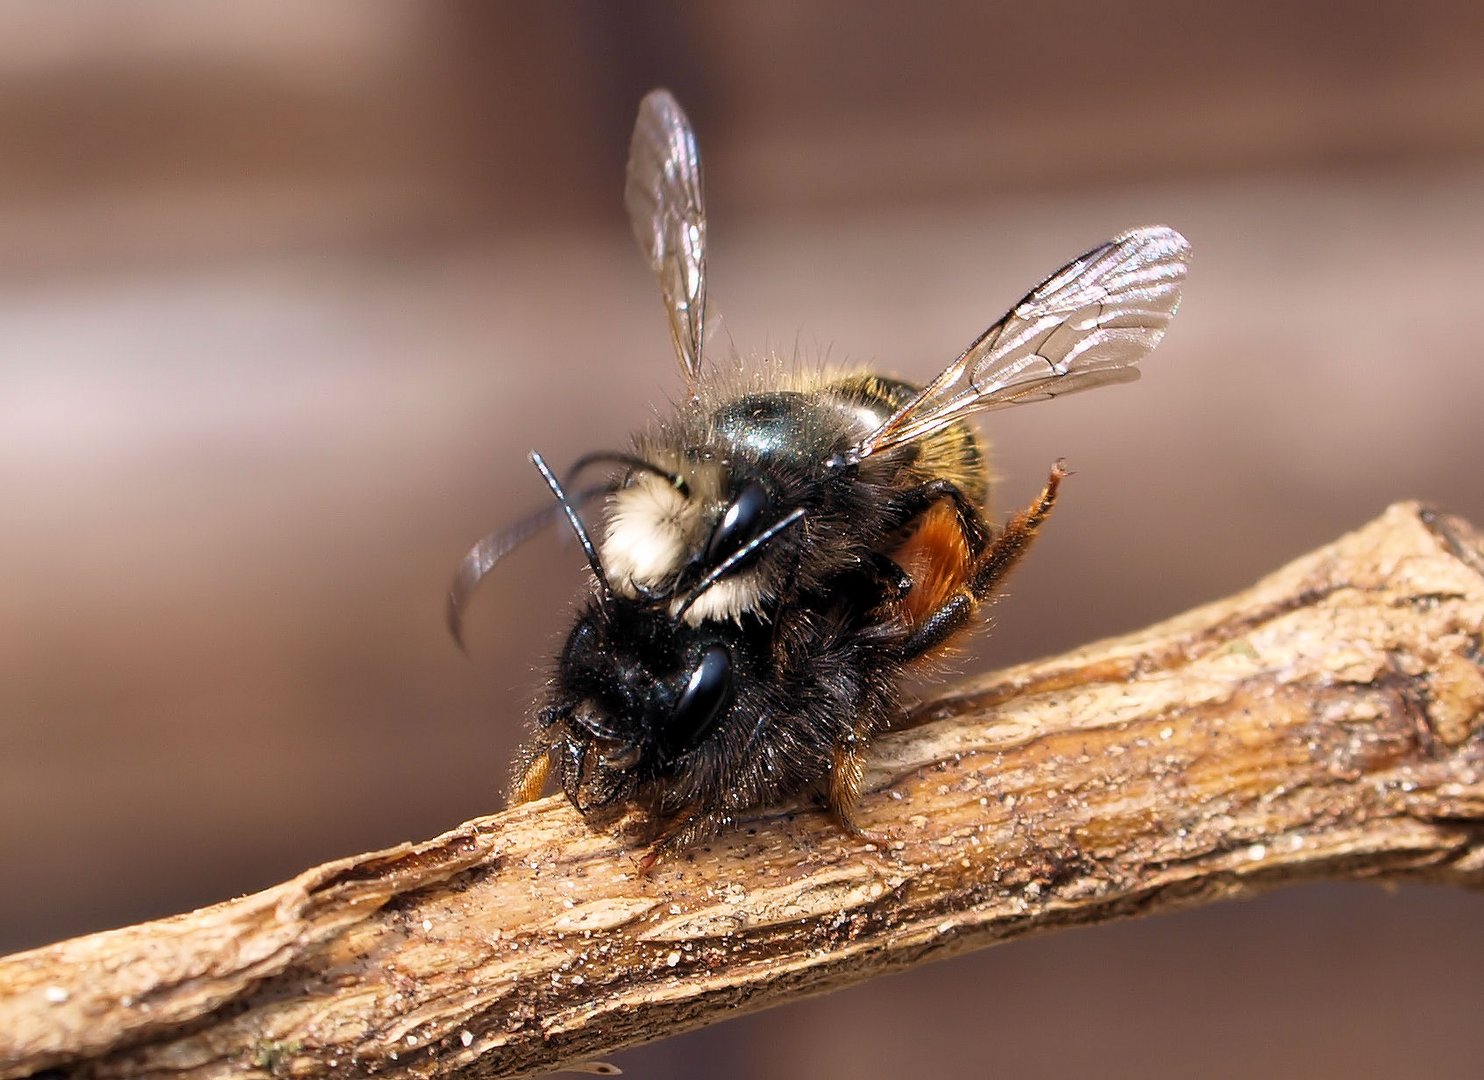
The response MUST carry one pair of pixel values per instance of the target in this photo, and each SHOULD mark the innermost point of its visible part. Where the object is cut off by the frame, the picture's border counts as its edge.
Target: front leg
(533, 768)
(847, 773)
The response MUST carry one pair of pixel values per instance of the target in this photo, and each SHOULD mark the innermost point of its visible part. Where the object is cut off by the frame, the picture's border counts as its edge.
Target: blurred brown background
(287, 292)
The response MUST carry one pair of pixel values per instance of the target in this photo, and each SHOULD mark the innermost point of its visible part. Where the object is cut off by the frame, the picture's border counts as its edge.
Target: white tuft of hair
(726, 599)
(644, 542)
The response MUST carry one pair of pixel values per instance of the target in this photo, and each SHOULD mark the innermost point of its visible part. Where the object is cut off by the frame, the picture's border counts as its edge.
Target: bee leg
(530, 779)
(894, 581)
(683, 832)
(879, 580)
(846, 774)
(919, 500)
(1018, 535)
(990, 569)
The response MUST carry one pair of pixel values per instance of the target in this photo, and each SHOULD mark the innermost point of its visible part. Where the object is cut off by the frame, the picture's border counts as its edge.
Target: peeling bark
(1328, 722)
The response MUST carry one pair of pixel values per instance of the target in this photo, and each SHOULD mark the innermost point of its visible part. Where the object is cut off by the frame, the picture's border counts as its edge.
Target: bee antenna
(675, 480)
(572, 519)
(721, 569)
(483, 556)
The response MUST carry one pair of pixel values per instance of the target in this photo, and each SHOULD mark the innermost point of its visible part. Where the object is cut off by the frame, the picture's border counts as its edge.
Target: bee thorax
(651, 534)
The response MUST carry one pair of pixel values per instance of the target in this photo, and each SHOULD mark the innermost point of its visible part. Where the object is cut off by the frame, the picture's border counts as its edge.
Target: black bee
(776, 556)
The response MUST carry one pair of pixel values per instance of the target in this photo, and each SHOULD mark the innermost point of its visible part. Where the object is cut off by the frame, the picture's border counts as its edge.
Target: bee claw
(853, 828)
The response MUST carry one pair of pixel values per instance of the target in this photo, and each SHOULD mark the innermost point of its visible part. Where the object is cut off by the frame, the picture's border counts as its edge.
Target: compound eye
(706, 694)
(742, 521)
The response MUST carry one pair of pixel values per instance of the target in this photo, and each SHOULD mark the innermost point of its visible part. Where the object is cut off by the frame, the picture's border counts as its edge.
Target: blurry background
(288, 291)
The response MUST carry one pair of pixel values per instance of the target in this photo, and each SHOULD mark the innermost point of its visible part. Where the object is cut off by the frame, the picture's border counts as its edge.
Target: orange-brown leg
(531, 779)
(1018, 535)
(847, 773)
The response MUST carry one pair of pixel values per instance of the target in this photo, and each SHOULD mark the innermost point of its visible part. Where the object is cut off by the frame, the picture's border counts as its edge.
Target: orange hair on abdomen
(938, 560)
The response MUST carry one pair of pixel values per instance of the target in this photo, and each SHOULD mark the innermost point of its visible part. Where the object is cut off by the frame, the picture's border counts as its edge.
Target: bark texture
(1328, 722)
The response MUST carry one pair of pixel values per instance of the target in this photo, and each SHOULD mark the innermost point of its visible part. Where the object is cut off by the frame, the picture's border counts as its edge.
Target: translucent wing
(1087, 325)
(663, 196)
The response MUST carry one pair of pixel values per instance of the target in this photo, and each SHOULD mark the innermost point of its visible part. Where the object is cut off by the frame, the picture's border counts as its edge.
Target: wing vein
(1087, 325)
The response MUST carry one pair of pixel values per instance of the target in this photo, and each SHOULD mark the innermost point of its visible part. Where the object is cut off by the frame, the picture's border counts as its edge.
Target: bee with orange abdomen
(777, 554)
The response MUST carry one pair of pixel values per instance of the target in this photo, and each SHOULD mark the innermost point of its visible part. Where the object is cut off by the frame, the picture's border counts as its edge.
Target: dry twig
(1329, 722)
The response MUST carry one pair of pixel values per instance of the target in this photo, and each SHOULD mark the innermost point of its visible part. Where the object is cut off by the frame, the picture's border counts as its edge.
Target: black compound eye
(706, 694)
(742, 521)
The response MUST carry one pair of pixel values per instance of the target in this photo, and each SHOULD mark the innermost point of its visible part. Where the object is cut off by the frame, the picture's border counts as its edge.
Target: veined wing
(664, 199)
(1087, 325)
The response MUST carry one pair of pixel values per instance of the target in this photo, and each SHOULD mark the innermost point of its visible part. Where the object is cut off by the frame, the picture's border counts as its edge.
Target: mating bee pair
(778, 553)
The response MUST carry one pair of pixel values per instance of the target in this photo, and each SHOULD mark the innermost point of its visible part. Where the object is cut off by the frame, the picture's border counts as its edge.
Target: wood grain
(1328, 722)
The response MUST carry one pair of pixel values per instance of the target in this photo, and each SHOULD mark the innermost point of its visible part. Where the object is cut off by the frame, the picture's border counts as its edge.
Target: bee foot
(853, 828)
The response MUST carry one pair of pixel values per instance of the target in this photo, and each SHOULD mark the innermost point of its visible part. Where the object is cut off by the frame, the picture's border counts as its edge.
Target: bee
(776, 556)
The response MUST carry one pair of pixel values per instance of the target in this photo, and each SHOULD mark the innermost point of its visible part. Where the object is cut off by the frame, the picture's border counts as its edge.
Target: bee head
(635, 694)
(714, 548)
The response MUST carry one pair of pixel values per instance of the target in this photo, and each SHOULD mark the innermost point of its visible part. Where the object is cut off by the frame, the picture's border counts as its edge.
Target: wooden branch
(1328, 722)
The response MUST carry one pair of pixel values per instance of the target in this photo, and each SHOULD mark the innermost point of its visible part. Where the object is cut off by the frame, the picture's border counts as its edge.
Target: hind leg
(990, 568)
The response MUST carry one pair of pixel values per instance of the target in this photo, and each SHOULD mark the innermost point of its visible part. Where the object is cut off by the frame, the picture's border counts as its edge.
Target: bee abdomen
(956, 453)
(937, 558)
